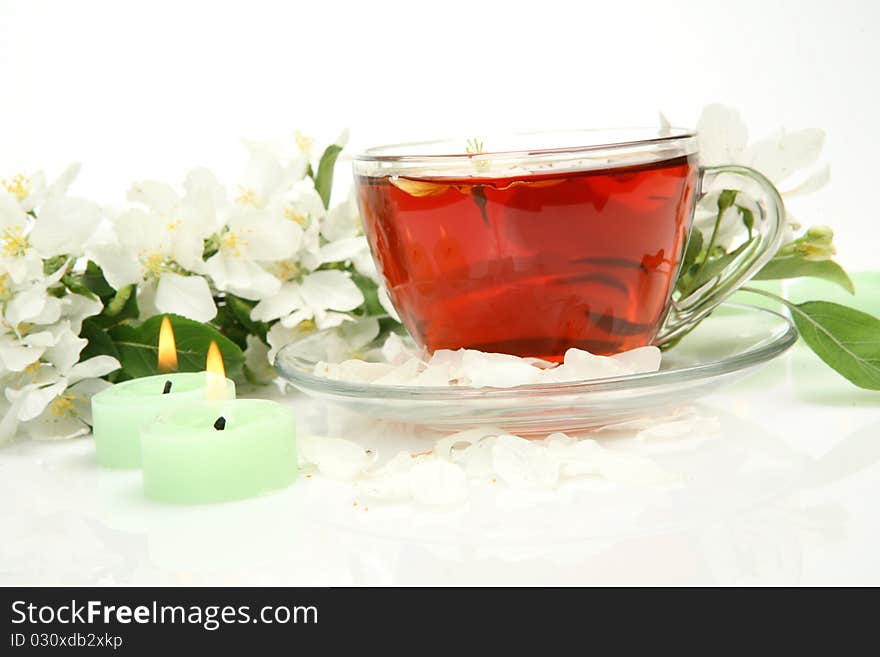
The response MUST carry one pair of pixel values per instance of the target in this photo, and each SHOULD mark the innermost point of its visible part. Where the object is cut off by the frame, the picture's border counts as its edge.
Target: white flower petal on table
(391, 482)
(401, 374)
(394, 350)
(64, 226)
(331, 289)
(497, 370)
(640, 360)
(722, 134)
(335, 458)
(631, 469)
(521, 463)
(438, 483)
(188, 296)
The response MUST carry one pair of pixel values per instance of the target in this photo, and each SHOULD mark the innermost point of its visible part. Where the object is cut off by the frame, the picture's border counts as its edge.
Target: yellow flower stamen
(153, 263)
(304, 143)
(231, 242)
(306, 326)
(174, 224)
(15, 242)
(247, 196)
(5, 291)
(63, 405)
(293, 215)
(286, 270)
(19, 186)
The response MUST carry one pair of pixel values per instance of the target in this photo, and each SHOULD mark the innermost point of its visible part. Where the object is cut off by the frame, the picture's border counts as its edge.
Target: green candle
(219, 451)
(121, 412)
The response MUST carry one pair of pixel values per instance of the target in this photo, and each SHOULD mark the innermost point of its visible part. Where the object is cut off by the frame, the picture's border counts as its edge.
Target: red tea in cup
(531, 263)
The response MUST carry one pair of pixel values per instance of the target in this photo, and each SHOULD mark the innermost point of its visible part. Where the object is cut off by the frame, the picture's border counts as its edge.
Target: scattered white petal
(335, 458)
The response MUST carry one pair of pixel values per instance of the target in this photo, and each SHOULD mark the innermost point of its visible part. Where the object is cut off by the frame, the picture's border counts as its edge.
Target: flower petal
(723, 135)
(188, 296)
(331, 289)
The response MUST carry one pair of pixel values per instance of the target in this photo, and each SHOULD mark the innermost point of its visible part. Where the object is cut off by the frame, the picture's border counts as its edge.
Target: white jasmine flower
(42, 402)
(32, 191)
(64, 225)
(251, 237)
(321, 297)
(269, 172)
(18, 259)
(786, 158)
(159, 246)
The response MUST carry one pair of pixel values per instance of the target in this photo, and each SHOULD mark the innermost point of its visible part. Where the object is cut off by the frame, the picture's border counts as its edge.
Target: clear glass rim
(750, 358)
(410, 151)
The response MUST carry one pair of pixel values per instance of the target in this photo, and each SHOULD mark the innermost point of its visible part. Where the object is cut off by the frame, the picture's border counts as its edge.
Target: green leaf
(100, 343)
(93, 279)
(370, 291)
(794, 266)
(120, 307)
(138, 346)
(241, 310)
(748, 218)
(692, 250)
(726, 199)
(848, 340)
(712, 268)
(75, 284)
(324, 177)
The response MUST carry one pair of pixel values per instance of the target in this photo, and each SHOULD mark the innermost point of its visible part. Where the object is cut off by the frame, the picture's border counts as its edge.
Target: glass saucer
(729, 344)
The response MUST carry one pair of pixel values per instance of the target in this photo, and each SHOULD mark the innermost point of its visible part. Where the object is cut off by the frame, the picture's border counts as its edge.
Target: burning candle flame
(216, 374)
(167, 347)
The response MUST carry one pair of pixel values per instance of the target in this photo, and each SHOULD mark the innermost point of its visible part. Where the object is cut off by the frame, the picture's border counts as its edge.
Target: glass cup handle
(687, 311)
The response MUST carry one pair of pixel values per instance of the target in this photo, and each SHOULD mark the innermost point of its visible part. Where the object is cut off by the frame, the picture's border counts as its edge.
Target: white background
(149, 89)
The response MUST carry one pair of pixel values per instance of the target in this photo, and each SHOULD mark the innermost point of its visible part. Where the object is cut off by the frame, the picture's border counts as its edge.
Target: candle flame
(216, 374)
(167, 347)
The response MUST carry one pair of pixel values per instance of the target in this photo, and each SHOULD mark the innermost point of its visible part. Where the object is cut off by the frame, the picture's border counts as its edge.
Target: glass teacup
(535, 243)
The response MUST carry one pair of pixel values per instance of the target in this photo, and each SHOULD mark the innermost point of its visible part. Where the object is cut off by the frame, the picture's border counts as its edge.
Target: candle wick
(220, 424)
(167, 388)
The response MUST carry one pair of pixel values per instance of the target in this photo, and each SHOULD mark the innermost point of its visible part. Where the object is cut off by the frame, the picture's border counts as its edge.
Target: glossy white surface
(786, 494)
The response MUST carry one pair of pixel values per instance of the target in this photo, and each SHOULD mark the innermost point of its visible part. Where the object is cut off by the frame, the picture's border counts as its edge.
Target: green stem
(117, 303)
(703, 264)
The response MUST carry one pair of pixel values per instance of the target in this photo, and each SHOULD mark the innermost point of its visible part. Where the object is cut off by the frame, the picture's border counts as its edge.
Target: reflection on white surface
(779, 497)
